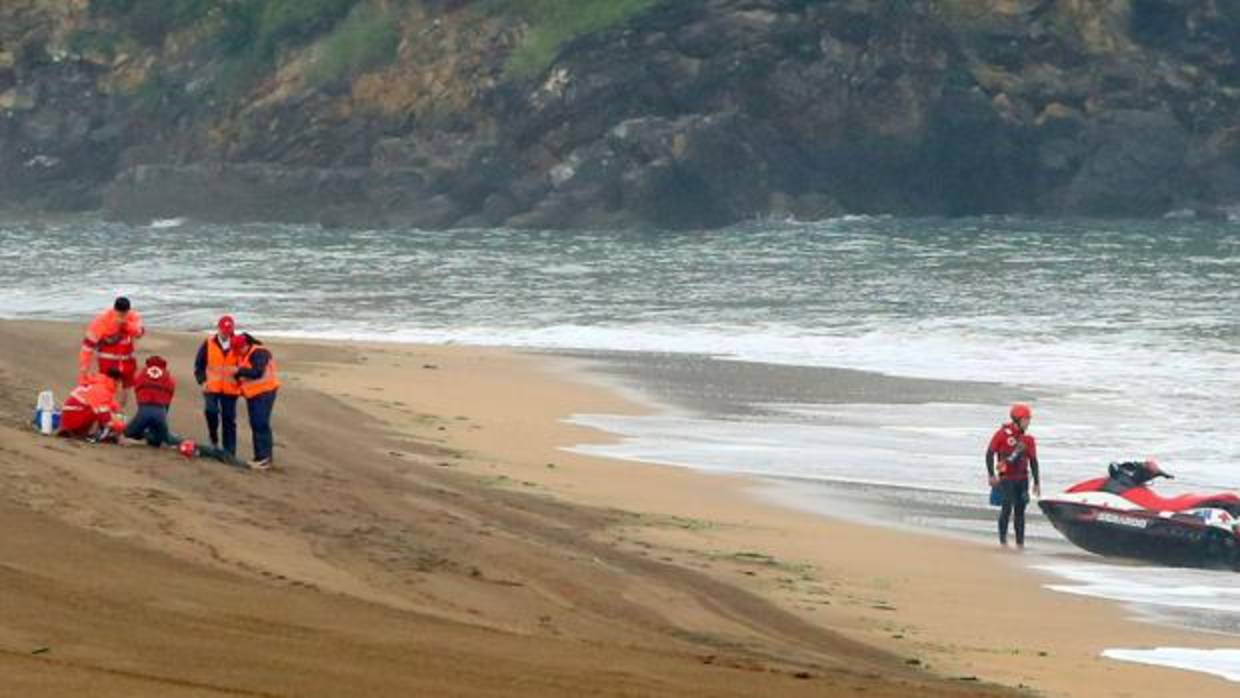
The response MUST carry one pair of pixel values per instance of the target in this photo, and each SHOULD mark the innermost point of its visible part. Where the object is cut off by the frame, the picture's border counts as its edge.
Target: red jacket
(155, 385)
(95, 396)
(1005, 443)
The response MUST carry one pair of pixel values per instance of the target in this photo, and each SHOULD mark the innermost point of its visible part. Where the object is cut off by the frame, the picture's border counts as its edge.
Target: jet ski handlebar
(1138, 471)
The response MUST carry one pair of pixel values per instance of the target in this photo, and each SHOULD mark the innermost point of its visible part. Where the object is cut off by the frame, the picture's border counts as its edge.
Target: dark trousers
(1015, 497)
(260, 408)
(150, 423)
(219, 409)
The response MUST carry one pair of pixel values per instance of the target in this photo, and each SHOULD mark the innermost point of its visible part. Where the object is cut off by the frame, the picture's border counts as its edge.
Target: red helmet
(226, 325)
(1021, 411)
(188, 448)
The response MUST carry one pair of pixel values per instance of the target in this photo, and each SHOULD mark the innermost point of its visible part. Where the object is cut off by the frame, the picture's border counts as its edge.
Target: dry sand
(424, 535)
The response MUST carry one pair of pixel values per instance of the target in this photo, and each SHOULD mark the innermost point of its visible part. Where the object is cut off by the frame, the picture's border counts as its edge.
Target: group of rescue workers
(232, 365)
(229, 366)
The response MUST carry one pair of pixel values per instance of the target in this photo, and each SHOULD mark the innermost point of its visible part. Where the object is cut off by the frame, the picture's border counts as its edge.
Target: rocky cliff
(672, 113)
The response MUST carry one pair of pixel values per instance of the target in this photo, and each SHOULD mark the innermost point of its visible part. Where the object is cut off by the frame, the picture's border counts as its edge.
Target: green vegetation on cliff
(561, 113)
(361, 42)
(149, 21)
(238, 25)
(352, 36)
(253, 31)
(555, 22)
(297, 20)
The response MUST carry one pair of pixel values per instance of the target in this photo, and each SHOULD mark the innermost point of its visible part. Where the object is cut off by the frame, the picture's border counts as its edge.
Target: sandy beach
(424, 533)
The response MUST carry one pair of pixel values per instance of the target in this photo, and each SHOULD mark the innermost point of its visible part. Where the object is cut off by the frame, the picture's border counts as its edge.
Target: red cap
(188, 448)
(226, 325)
(1021, 411)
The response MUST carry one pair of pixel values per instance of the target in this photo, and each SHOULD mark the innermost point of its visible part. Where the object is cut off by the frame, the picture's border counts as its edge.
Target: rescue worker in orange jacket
(90, 410)
(110, 337)
(215, 369)
(259, 381)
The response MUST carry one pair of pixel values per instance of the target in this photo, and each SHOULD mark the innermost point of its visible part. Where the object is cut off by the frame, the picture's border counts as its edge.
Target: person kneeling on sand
(90, 411)
(154, 388)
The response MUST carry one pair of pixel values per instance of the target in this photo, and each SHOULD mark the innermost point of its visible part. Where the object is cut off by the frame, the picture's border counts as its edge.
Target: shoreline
(957, 653)
(454, 415)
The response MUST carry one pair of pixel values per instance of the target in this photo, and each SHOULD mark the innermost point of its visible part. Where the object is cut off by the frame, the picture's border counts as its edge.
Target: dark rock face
(691, 115)
(253, 192)
(261, 192)
(703, 114)
(1134, 165)
(57, 145)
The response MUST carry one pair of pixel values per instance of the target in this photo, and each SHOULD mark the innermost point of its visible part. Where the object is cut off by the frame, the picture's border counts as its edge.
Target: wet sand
(424, 532)
(705, 385)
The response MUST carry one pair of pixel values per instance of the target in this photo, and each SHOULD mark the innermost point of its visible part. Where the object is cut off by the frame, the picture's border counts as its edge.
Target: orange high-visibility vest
(221, 370)
(269, 381)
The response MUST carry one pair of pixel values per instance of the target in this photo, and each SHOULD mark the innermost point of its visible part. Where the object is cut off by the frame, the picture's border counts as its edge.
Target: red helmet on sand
(226, 325)
(1021, 411)
(188, 448)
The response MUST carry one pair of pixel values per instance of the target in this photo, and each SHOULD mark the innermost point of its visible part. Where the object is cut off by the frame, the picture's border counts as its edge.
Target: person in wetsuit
(1010, 458)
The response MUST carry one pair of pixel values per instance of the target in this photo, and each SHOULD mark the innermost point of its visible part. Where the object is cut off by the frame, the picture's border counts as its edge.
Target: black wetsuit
(1014, 492)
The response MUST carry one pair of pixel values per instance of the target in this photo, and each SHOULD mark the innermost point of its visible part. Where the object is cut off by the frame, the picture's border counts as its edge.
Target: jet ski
(1120, 516)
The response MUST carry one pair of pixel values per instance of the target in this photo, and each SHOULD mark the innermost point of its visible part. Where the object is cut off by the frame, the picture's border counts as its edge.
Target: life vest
(1013, 448)
(221, 370)
(269, 381)
(112, 337)
(155, 386)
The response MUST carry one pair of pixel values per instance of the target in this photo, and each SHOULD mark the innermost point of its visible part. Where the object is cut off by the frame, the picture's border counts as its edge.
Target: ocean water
(1220, 662)
(1124, 335)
